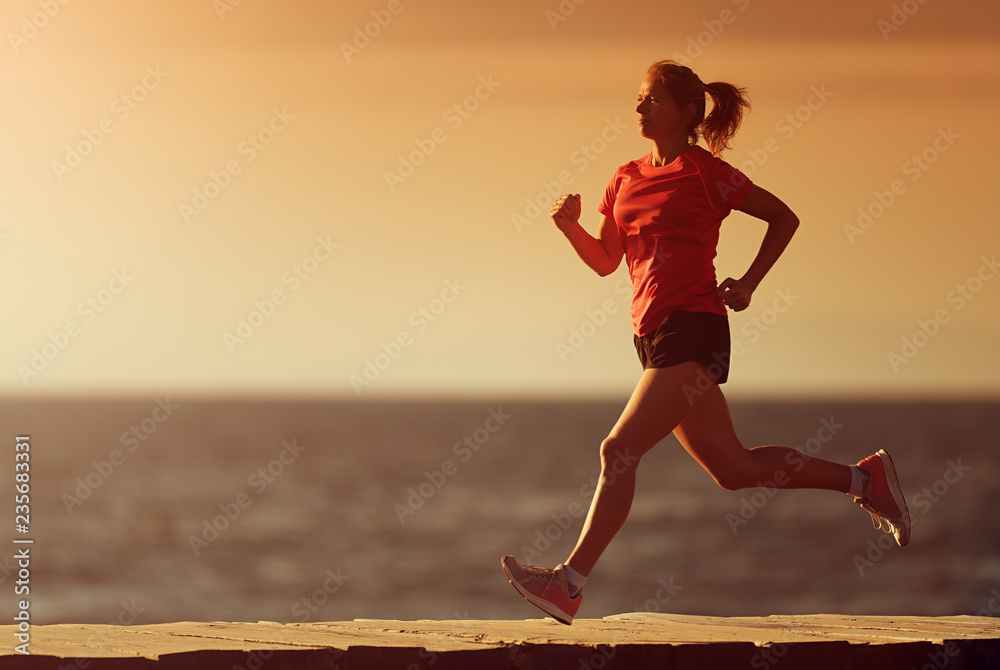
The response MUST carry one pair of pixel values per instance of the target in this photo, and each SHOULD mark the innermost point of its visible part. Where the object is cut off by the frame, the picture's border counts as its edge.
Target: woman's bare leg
(707, 433)
(656, 407)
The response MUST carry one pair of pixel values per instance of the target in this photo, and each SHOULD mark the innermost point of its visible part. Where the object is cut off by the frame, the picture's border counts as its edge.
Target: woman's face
(659, 115)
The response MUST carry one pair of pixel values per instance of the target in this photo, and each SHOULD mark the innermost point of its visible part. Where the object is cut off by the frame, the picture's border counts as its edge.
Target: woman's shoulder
(701, 156)
(721, 180)
(635, 164)
(634, 169)
(706, 160)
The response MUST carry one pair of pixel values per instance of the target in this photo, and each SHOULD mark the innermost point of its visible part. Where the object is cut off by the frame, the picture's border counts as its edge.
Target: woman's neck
(668, 149)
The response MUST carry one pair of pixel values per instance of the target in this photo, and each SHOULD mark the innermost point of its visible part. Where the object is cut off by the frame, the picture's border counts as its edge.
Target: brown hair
(728, 103)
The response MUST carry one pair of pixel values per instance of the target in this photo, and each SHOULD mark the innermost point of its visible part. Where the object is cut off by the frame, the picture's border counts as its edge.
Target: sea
(160, 509)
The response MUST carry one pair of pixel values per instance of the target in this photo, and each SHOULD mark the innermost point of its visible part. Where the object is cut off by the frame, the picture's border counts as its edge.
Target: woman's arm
(781, 225)
(603, 253)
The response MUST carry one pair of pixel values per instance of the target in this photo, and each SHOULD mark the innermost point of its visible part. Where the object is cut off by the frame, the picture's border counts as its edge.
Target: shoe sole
(897, 496)
(540, 603)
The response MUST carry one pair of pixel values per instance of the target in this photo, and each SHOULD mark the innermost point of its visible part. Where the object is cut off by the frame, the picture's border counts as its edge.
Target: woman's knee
(741, 474)
(729, 479)
(618, 456)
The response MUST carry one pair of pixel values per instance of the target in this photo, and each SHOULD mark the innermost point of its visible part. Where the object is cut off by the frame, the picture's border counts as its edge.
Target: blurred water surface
(156, 510)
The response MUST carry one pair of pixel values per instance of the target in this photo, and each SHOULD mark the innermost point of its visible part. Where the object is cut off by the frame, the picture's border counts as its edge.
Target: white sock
(859, 481)
(575, 581)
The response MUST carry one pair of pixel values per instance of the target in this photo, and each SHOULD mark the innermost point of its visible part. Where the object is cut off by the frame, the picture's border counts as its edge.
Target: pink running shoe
(883, 498)
(544, 588)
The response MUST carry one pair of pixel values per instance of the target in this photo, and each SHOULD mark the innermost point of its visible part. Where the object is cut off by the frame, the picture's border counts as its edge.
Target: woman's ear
(689, 111)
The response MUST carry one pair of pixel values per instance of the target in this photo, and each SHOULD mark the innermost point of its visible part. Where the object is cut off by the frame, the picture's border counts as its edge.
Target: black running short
(688, 336)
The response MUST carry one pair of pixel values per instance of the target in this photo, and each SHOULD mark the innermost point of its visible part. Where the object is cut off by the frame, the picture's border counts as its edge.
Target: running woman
(662, 213)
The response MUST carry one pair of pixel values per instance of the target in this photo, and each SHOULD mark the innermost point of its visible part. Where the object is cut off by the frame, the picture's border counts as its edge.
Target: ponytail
(728, 104)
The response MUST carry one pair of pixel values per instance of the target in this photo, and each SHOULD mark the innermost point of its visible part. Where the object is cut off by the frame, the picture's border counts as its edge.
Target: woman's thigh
(658, 404)
(707, 433)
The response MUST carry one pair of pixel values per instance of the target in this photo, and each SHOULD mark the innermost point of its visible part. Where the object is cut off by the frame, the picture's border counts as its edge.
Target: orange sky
(197, 201)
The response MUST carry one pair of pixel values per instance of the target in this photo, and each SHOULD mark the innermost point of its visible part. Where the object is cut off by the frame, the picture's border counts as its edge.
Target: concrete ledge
(662, 641)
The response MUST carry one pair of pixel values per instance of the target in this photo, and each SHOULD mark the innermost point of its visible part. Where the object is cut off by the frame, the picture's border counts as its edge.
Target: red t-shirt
(669, 218)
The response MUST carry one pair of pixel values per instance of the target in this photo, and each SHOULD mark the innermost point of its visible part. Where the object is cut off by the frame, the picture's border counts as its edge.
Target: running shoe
(883, 498)
(545, 588)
